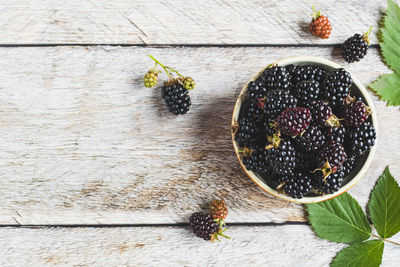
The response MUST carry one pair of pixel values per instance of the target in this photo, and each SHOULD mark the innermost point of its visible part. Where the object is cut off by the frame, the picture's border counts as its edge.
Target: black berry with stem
(337, 86)
(322, 114)
(356, 47)
(175, 90)
(331, 158)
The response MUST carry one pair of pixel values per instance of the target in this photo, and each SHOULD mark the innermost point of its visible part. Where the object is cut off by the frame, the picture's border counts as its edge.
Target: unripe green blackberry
(188, 83)
(150, 78)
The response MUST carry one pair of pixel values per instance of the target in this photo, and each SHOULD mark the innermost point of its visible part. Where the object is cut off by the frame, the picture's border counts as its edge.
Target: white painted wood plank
(83, 142)
(294, 245)
(181, 22)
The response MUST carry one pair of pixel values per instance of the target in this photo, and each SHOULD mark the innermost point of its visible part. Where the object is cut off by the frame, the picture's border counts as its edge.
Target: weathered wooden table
(96, 172)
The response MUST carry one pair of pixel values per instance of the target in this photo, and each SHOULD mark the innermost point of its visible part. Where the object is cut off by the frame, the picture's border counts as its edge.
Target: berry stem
(366, 35)
(384, 239)
(315, 14)
(162, 65)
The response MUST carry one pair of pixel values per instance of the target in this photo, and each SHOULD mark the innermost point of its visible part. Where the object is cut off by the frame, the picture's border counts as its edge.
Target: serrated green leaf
(388, 88)
(384, 208)
(340, 219)
(366, 254)
(390, 45)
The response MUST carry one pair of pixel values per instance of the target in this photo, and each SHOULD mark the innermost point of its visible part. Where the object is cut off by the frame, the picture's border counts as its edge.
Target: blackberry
(276, 78)
(348, 165)
(308, 73)
(306, 91)
(337, 86)
(203, 225)
(247, 134)
(336, 134)
(361, 139)
(257, 161)
(281, 158)
(177, 98)
(356, 47)
(312, 139)
(254, 111)
(150, 78)
(276, 101)
(188, 83)
(320, 25)
(256, 89)
(330, 184)
(331, 158)
(355, 112)
(297, 185)
(269, 128)
(322, 115)
(293, 121)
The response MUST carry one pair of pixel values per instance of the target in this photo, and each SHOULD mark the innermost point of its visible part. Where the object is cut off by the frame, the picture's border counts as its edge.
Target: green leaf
(384, 205)
(366, 254)
(390, 44)
(388, 88)
(340, 219)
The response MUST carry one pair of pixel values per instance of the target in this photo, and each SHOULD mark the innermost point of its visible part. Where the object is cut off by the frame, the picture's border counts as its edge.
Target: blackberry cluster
(355, 48)
(337, 87)
(176, 98)
(288, 124)
(203, 225)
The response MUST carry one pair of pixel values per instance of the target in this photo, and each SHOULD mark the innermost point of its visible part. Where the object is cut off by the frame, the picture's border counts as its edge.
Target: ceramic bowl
(362, 163)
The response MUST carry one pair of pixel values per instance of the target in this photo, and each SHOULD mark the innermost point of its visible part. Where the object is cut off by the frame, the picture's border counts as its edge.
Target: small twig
(387, 240)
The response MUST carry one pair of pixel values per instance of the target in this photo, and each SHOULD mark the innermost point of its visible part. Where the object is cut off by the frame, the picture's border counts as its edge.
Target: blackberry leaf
(388, 88)
(340, 219)
(390, 44)
(384, 206)
(368, 253)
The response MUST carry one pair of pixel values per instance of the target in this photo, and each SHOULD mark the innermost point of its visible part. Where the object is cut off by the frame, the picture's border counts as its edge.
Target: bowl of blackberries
(304, 129)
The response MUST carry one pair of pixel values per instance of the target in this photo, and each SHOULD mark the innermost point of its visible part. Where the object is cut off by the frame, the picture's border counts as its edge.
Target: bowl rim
(296, 60)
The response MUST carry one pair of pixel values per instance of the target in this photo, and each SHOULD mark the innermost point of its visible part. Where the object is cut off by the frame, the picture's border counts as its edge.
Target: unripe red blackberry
(355, 112)
(320, 25)
(293, 121)
(331, 158)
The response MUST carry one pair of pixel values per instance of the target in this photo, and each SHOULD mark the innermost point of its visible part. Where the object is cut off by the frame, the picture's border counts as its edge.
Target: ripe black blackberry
(276, 77)
(361, 139)
(337, 86)
(296, 185)
(257, 161)
(203, 225)
(277, 101)
(336, 134)
(322, 115)
(312, 139)
(348, 165)
(269, 128)
(356, 47)
(256, 89)
(254, 111)
(247, 134)
(331, 158)
(281, 157)
(328, 185)
(176, 98)
(293, 121)
(308, 73)
(306, 160)
(306, 91)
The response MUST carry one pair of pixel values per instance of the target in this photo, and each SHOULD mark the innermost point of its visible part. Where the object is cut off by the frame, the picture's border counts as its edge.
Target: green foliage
(388, 86)
(384, 205)
(366, 254)
(341, 219)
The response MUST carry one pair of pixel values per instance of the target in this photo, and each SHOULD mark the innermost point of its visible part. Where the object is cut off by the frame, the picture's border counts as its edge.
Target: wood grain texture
(182, 22)
(83, 142)
(166, 246)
